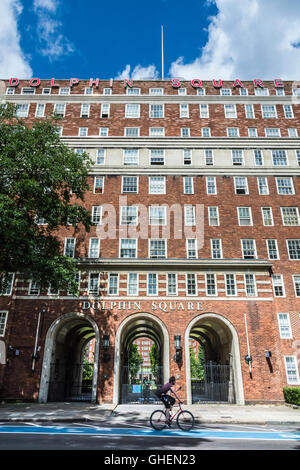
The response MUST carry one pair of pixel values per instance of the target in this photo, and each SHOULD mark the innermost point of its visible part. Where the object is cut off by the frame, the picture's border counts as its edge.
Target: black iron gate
(214, 385)
(70, 381)
(142, 387)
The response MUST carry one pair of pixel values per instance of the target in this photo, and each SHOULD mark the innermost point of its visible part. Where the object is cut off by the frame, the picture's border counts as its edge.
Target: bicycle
(185, 419)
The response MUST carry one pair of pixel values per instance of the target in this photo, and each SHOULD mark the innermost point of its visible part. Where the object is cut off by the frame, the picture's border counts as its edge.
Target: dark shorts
(167, 400)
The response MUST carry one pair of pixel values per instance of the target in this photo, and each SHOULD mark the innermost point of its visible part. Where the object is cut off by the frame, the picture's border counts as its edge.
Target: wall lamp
(106, 355)
(13, 351)
(178, 349)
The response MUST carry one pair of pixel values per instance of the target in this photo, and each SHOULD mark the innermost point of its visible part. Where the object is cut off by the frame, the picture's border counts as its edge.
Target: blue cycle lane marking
(200, 434)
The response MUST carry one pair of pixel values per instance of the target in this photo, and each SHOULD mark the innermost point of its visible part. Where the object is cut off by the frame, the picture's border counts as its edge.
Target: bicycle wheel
(158, 420)
(185, 420)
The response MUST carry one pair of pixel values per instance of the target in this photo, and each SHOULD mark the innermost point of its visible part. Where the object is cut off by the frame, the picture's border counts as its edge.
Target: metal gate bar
(214, 386)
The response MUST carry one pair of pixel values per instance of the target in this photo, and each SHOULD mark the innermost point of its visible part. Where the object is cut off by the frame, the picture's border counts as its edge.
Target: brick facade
(227, 325)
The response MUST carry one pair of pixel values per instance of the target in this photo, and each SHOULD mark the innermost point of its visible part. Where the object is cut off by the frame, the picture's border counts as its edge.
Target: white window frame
(110, 285)
(204, 111)
(269, 218)
(64, 91)
(131, 132)
(295, 367)
(188, 185)
(226, 285)
(97, 290)
(184, 111)
(22, 110)
(288, 111)
(277, 281)
(136, 186)
(215, 285)
(135, 284)
(216, 250)
(189, 215)
(156, 284)
(133, 247)
(216, 216)
(296, 283)
(253, 248)
(132, 111)
(86, 113)
(170, 293)
(63, 109)
(3, 322)
(242, 217)
(284, 324)
(230, 111)
(152, 179)
(74, 246)
(94, 248)
(269, 111)
(296, 216)
(275, 249)
(103, 131)
(263, 189)
(196, 284)
(105, 111)
(101, 154)
(288, 250)
(191, 249)
(40, 106)
(151, 249)
(96, 217)
(279, 158)
(9, 288)
(249, 294)
(244, 187)
(130, 157)
(159, 158)
(208, 186)
(237, 157)
(290, 186)
(153, 111)
(97, 180)
(157, 215)
(258, 154)
(249, 111)
(129, 219)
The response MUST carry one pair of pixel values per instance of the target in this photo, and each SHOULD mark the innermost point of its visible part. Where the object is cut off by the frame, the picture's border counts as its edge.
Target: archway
(64, 365)
(221, 378)
(127, 388)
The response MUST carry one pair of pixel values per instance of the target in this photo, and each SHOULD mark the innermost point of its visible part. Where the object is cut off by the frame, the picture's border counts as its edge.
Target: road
(123, 437)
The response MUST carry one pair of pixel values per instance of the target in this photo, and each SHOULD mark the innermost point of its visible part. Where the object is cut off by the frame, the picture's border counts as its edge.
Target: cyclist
(167, 400)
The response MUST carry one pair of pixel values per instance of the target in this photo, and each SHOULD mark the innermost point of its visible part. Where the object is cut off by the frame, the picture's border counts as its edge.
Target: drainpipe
(35, 355)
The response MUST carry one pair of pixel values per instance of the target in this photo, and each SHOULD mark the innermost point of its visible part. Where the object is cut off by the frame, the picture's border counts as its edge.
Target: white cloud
(248, 39)
(53, 43)
(12, 60)
(138, 73)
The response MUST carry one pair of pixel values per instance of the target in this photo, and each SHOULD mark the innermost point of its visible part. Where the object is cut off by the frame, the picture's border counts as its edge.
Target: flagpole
(162, 52)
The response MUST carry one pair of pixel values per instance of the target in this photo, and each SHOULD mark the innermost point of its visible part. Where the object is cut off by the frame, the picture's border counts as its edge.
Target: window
(272, 132)
(184, 110)
(201, 91)
(213, 216)
(280, 92)
(85, 111)
(267, 216)
(188, 185)
(131, 157)
(185, 132)
(77, 280)
(9, 281)
(293, 132)
(132, 131)
(129, 215)
(244, 215)
(294, 248)
(233, 132)
(284, 325)
(83, 131)
(129, 184)
(209, 157)
(216, 248)
(241, 185)
(156, 131)
(211, 285)
(128, 248)
(156, 91)
(46, 91)
(243, 91)
(272, 249)
(40, 110)
(88, 90)
(156, 111)
(64, 91)
(288, 111)
(59, 109)
(99, 185)
(3, 321)
(152, 284)
(279, 158)
(205, 131)
(157, 215)
(292, 373)
(191, 248)
(96, 214)
(252, 132)
(261, 91)
(157, 157)
(132, 284)
(100, 157)
(250, 285)
(290, 215)
(191, 285)
(21, 110)
(187, 157)
(204, 111)
(296, 279)
(94, 248)
(28, 91)
(69, 247)
(248, 249)
(103, 131)
(285, 185)
(296, 91)
(249, 111)
(230, 284)
(181, 91)
(34, 288)
(225, 92)
(258, 158)
(113, 284)
(189, 215)
(298, 157)
(268, 111)
(230, 111)
(171, 284)
(262, 183)
(133, 91)
(132, 111)
(10, 90)
(278, 285)
(157, 248)
(237, 157)
(105, 110)
(157, 185)
(211, 187)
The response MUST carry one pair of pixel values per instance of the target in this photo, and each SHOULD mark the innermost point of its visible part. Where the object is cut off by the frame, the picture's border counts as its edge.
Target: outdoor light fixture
(248, 359)
(106, 355)
(268, 354)
(178, 349)
(13, 351)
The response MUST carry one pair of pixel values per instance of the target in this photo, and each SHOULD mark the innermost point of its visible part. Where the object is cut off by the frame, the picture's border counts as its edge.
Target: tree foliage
(40, 177)
(197, 363)
(135, 360)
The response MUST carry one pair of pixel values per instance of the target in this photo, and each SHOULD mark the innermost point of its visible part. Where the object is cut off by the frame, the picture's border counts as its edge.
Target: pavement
(205, 413)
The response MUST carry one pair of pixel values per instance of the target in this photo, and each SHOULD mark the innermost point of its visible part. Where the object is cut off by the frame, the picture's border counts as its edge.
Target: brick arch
(229, 329)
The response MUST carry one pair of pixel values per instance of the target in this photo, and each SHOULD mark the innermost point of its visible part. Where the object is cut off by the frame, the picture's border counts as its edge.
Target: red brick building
(194, 195)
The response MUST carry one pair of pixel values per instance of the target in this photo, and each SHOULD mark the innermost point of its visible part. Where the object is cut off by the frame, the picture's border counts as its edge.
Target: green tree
(154, 359)
(197, 369)
(135, 361)
(40, 178)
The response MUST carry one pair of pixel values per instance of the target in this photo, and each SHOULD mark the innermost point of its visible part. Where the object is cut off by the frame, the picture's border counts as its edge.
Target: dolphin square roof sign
(175, 82)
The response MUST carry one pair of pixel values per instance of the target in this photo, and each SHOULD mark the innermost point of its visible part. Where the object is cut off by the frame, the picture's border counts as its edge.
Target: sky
(204, 39)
